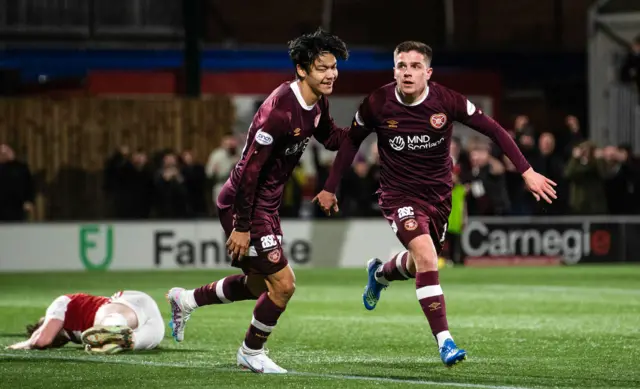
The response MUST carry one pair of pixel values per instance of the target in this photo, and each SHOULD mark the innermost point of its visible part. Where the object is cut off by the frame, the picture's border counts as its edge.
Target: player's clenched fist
(327, 202)
(238, 244)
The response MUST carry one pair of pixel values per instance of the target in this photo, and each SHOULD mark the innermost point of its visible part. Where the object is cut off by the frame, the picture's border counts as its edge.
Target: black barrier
(631, 239)
(571, 242)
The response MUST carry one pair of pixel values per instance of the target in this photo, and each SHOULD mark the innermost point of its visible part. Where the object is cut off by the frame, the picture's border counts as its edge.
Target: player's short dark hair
(305, 49)
(420, 47)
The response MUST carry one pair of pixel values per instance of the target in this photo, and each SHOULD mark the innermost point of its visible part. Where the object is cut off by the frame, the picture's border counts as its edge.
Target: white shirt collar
(296, 91)
(417, 102)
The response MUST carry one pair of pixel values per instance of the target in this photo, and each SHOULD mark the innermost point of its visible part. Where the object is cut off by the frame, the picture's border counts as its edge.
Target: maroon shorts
(265, 255)
(409, 220)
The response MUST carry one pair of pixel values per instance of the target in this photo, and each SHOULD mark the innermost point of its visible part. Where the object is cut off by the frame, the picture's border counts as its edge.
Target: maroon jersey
(279, 134)
(414, 142)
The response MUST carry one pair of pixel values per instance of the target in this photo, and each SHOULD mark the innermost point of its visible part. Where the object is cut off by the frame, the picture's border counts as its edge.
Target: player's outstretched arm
(327, 133)
(46, 335)
(539, 185)
(326, 199)
(258, 153)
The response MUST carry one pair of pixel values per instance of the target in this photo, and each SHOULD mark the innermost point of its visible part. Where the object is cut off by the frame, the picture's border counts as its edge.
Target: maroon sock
(224, 291)
(265, 317)
(431, 300)
(395, 269)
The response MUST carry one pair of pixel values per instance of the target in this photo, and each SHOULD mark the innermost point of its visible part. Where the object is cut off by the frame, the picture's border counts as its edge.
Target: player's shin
(398, 268)
(431, 300)
(265, 317)
(224, 291)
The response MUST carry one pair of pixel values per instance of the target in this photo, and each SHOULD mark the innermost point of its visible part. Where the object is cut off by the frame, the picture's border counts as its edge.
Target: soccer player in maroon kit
(249, 201)
(413, 119)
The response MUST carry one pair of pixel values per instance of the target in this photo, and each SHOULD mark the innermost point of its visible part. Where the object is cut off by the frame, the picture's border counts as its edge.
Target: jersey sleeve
(465, 112)
(327, 133)
(363, 124)
(258, 153)
(58, 308)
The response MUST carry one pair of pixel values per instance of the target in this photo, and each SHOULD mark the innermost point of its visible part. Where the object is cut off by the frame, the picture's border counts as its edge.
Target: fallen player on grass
(128, 320)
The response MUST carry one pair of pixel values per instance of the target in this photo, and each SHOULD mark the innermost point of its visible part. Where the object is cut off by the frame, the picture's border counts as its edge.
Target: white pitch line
(113, 360)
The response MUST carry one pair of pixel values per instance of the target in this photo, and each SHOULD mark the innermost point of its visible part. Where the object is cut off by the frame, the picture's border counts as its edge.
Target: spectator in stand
(171, 196)
(551, 165)
(220, 163)
(570, 137)
(585, 172)
(488, 193)
(460, 158)
(16, 187)
(619, 181)
(522, 127)
(357, 190)
(195, 182)
(129, 184)
(522, 203)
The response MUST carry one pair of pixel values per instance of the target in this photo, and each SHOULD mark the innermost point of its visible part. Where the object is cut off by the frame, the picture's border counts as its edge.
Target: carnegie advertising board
(541, 241)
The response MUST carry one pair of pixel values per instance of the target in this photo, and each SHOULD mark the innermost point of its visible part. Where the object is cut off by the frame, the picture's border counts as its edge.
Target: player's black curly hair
(305, 49)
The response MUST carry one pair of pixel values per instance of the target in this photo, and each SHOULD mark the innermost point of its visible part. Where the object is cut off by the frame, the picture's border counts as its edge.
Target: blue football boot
(451, 354)
(372, 291)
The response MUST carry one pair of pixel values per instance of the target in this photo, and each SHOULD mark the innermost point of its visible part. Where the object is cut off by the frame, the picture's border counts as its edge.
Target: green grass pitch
(554, 327)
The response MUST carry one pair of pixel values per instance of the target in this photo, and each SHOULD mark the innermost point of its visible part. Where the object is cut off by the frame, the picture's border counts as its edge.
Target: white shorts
(150, 331)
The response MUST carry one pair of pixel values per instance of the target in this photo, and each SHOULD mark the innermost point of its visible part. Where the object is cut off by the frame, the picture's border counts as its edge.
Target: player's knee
(424, 254)
(282, 285)
(285, 289)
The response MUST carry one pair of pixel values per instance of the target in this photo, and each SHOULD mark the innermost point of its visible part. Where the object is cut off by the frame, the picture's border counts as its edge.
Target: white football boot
(180, 313)
(257, 361)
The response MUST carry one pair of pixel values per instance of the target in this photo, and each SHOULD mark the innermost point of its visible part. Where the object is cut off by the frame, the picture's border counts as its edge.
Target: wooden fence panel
(66, 142)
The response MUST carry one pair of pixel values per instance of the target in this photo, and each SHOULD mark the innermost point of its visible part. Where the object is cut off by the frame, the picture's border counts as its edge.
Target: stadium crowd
(175, 185)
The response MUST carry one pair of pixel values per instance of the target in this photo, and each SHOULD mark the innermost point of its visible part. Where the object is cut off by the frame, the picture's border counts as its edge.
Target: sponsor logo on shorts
(405, 212)
(263, 138)
(274, 256)
(410, 225)
(296, 132)
(438, 120)
(268, 241)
